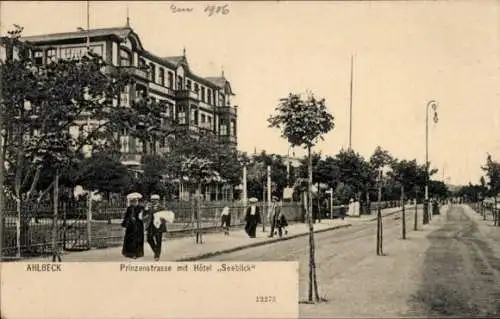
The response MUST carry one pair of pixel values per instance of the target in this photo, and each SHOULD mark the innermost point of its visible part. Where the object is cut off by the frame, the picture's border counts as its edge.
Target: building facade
(196, 104)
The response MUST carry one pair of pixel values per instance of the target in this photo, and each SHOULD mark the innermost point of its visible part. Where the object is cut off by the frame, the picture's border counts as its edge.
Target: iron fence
(81, 227)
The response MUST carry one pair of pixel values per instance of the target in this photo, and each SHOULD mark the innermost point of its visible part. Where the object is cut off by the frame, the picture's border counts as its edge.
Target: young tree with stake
(303, 123)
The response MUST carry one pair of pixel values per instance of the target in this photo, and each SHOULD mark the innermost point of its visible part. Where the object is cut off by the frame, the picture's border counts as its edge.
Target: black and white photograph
(360, 139)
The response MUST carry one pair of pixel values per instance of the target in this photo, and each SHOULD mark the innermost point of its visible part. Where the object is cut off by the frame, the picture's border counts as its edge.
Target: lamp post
(433, 104)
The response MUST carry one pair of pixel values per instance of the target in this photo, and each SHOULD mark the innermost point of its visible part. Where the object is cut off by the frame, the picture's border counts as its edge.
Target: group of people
(139, 218)
(277, 218)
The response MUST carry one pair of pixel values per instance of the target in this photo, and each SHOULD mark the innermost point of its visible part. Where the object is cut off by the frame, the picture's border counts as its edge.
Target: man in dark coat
(252, 218)
(154, 234)
(133, 242)
(273, 217)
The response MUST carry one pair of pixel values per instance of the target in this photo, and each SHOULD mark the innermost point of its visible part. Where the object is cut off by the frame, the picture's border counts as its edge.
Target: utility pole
(350, 103)
(88, 26)
(268, 194)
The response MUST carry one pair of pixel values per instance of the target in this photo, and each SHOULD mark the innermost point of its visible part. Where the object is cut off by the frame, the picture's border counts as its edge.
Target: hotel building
(196, 104)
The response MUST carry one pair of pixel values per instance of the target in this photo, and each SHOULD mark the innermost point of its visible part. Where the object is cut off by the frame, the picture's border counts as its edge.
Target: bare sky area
(406, 53)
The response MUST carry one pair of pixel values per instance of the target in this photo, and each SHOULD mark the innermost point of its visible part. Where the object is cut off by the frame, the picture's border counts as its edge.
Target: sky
(405, 54)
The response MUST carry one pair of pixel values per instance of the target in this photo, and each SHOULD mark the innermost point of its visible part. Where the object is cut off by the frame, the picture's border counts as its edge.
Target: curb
(388, 214)
(262, 243)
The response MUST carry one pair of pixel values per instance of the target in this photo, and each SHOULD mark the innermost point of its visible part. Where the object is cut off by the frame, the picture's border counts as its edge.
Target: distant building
(196, 104)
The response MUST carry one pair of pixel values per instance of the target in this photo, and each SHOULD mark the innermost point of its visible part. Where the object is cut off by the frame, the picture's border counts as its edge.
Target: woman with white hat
(252, 218)
(133, 242)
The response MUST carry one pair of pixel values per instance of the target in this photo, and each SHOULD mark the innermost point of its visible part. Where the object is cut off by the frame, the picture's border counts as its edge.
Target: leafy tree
(104, 174)
(303, 123)
(51, 113)
(199, 171)
(492, 170)
(354, 171)
(404, 173)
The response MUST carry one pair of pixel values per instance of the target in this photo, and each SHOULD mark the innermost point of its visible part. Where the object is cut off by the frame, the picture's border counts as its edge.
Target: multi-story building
(196, 104)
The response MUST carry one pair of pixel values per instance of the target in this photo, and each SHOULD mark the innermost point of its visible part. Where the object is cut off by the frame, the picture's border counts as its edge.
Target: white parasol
(167, 215)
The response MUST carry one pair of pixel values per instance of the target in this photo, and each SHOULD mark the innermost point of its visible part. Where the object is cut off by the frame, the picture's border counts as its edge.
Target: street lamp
(434, 105)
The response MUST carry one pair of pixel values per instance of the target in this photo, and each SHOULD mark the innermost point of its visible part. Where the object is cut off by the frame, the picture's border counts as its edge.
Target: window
(209, 96)
(138, 145)
(124, 144)
(152, 72)
(221, 99)
(203, 94)
(162, 77)
(203, 118)
(188, 85)
(233, 128)
(223, 129)
(179, 83)
(142, 63)
(38, 57)
(209, 120)
(125, 58)
(196, 88)
(170, 80)
(51, 54)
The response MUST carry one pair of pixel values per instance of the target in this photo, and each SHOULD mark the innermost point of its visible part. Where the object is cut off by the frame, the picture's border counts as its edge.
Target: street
(447, 269)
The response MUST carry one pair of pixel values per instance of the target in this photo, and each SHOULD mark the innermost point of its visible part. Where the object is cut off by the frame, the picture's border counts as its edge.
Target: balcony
(131, 159)
(134, 71)
(161, 89)
(231, 139)
(231, 110)
(186, 94)
(206, 126)
(206, 106)
(189, 127)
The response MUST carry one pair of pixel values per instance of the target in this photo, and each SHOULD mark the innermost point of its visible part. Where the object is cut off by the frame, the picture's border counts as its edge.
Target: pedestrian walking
(226, 220)
(154, 233)
(273, 215)
(252, 218)
(282, 222)
(133, 242)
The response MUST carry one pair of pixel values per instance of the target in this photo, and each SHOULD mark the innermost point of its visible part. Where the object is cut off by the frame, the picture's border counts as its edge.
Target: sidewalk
(186, 249)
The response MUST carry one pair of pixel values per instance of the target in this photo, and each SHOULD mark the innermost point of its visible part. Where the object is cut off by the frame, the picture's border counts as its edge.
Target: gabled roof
(119, 32)
(220, 82)
(175, 60)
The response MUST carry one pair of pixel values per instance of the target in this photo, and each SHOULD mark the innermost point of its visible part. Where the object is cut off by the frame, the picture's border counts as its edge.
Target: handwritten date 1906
(265, 299)
(211, 10)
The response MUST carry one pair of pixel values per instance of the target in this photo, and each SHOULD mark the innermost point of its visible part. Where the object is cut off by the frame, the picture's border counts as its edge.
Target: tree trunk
(415, 218)
(18, 227)
(495, 212)
(403, 211)
(380, 251)
(313, 283)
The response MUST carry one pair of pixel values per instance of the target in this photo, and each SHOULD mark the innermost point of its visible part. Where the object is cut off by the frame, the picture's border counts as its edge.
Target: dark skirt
(226, 220)
(133, 242)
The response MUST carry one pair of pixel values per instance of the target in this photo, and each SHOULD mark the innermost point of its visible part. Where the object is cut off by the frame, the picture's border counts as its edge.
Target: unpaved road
(461, 274)
(447, 270)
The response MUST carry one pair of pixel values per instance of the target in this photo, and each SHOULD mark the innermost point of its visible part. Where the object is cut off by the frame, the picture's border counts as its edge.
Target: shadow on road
(461, 274)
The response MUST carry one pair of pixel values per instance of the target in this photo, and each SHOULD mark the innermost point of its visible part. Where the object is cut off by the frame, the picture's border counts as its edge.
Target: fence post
(89, 223)
(55, 254)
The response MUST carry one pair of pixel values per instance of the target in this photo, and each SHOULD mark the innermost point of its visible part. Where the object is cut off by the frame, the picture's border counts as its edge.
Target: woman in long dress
(252, 218)
(133, 242)
(226, 220)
